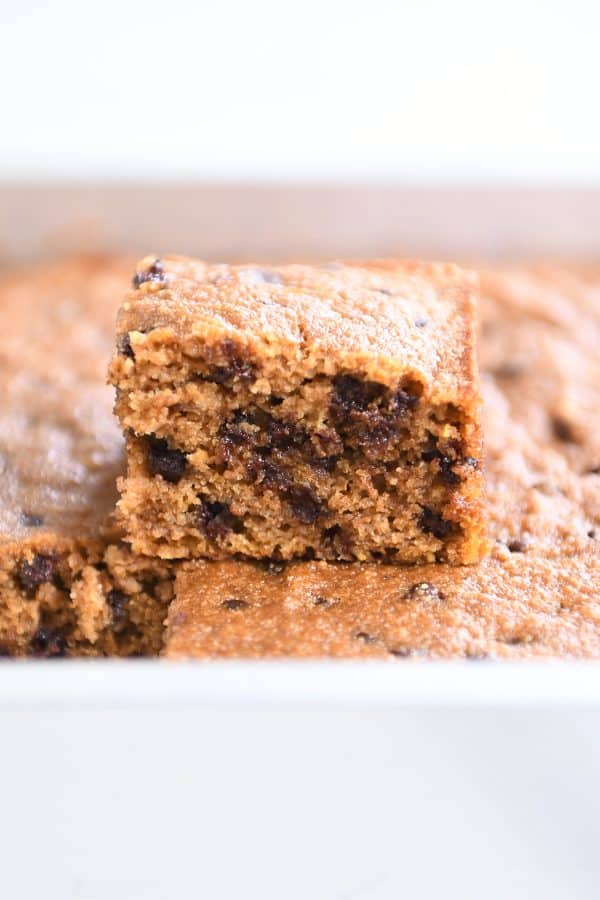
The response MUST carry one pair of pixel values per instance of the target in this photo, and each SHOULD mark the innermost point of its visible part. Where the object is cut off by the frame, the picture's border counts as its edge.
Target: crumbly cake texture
(327, 411)
(535, 595)
(68, 583)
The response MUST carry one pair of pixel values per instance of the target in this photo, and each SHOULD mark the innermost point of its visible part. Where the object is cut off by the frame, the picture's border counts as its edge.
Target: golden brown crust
(360, 317)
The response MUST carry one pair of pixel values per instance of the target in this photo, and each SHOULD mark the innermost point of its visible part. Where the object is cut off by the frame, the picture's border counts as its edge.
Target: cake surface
(288, 411)
(508, 609)
(68, 584)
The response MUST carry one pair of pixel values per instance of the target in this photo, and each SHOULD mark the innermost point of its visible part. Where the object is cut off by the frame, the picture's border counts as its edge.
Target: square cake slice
(289, 411)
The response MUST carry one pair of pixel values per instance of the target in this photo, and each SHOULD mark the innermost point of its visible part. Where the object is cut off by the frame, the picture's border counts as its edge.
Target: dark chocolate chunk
(235, 603)
(424, 590)
(319, 600)
(30, 520)
(215, 519)
(594, 470)
(509, 369)
(447, 474)
(236, 370)
(445, 463)
(233, 435)
(339, 539)
(401, 652)
(155, 272)
(281, 435)
(421, 323)
(260, 469)
(324, 463)
(517, 546)
(118, 600)
(365, 637)
(354, 393)
(124, 346)
(304, 503)
(368, 414)
(513, 640)
(162, 460)
(48, 643)
(402, 401)
(273, 566)
(432, 522)
(40, 570)
(563, 430)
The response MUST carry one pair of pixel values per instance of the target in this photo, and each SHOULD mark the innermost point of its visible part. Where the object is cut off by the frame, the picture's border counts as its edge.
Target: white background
(425, 90)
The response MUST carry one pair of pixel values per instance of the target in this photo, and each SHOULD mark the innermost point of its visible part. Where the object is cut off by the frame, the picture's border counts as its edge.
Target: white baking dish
(271, 781)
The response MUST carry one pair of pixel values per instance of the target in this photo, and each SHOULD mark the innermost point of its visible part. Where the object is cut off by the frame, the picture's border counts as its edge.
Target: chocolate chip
(385, 291)
(117, 600)
(273, 566)
(155, 272)
(260, 469)
(432, 522)
(281, 435)
(319, 600)
(324, 463)
(471, 461)
(421, 323)
(401, 652)
(233, 435)
(368, 414)
(402, 401)
(447, 474)
(509, 369)
(39, 571)
(339, 539)
(234, 603)
(124, 346)
(517, 546)
(164, 461)
(563, 430)
(30, 520)
(304, 503)
(365, 637)
(424, 590)
(592, 533)
(445, 463)
(215, 519)
(513, 640)
(236, 370)
(48, 643)
(595, 470)
(354, 393)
